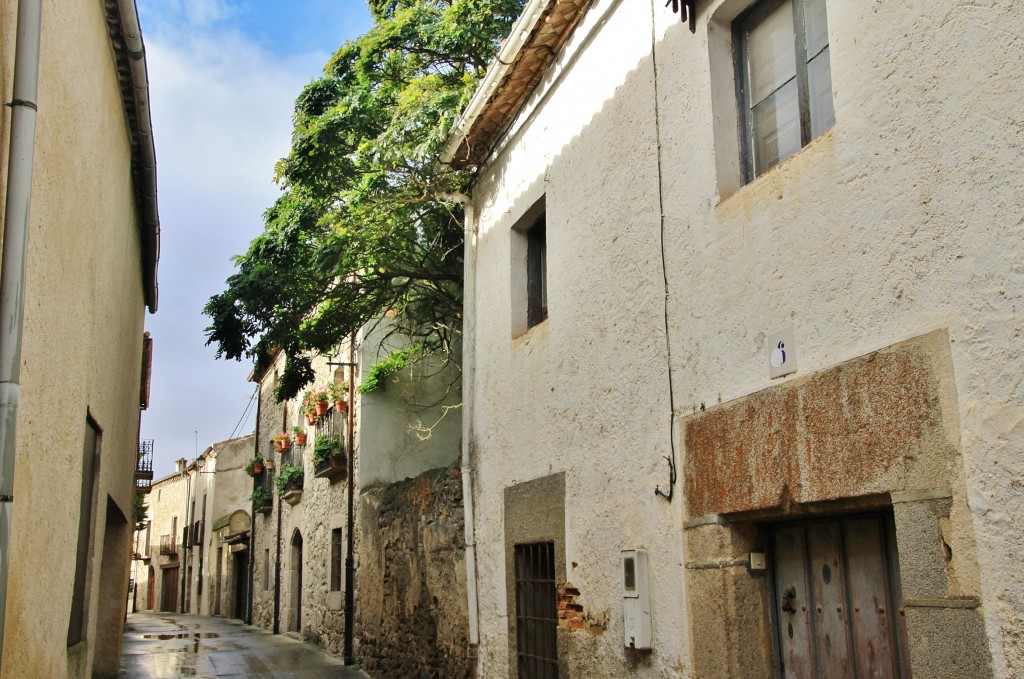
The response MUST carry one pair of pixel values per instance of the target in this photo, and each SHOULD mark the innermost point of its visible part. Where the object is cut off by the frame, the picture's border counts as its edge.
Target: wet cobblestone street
(167, 646)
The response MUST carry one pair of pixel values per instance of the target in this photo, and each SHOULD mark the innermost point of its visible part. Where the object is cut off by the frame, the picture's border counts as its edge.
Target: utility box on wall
(636, 599)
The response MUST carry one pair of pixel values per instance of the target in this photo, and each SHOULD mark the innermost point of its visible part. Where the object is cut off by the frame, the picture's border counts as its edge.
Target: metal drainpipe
(252, 514)
(277, 571)
(350, 568)
(12, 270)
(468, 366)
(188, 531)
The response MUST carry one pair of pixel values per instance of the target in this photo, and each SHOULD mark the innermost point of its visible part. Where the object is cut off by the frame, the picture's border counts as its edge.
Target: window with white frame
(785, 80)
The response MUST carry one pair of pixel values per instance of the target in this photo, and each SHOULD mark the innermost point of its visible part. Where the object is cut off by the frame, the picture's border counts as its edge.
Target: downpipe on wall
(12, 270)
(468, 367)
(348, 652)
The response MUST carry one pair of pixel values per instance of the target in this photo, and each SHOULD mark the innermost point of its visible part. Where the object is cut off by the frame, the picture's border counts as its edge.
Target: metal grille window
(536, 611)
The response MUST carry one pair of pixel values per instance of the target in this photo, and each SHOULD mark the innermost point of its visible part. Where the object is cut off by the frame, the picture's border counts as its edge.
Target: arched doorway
(296, 584)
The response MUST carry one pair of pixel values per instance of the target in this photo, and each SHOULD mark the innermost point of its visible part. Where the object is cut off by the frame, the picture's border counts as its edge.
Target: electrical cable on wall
(664, 272)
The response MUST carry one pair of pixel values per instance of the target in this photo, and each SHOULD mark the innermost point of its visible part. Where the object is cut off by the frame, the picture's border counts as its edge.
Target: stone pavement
(168, 646)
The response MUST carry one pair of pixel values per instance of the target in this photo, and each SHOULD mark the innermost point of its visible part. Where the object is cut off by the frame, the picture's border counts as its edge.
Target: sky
(224, 75)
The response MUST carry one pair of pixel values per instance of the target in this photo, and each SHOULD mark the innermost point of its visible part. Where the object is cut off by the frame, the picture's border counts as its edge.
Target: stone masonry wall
(412, 617)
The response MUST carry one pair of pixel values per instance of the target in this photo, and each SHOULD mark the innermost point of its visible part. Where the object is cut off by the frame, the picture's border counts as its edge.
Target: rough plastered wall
(81, 354)
(412, 582)
(584, 393)
(903, 219)
(416, 417)
(899, 221)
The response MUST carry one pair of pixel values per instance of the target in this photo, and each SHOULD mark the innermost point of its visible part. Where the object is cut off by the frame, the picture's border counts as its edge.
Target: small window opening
(536, 273)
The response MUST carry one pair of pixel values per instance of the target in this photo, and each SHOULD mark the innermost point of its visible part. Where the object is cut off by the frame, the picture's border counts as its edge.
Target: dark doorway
(151, 593)
(837, 599)
(297, 582)
(169, 590)
(240, 571)
(217, 589)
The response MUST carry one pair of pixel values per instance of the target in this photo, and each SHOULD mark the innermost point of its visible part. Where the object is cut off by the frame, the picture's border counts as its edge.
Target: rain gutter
(135, 93)
(499, 68)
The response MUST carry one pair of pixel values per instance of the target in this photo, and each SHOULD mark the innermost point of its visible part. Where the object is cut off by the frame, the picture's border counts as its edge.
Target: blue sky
(223, 78)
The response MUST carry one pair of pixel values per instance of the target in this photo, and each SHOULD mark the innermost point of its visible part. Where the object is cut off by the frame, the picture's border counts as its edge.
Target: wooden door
(169, 590)
(837, 598)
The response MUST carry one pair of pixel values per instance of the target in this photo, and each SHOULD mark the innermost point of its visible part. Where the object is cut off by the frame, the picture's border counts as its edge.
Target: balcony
(144, 466)
(168, 545)
(330, 468)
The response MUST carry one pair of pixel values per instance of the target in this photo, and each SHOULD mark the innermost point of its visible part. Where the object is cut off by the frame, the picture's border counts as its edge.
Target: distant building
(89, 274)
(187, 567)
(743, 341)
(159, 584)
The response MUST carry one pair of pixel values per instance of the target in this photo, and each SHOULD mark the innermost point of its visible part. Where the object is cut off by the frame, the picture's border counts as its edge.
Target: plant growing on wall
(327, 446)
(140, 511)
(289, 477)
(365, 225)
(261, 497)
(380, 372)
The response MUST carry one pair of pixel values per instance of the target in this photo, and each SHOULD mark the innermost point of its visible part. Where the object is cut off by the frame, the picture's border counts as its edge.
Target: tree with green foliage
(366, 225)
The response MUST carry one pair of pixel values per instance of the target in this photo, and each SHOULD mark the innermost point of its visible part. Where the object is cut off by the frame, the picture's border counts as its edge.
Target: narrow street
(166, 646)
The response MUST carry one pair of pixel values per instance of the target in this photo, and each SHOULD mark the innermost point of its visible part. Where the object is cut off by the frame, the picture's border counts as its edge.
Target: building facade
(750, 280)
(192, 553)
(91, 226)
(320, 571)
(158, 572)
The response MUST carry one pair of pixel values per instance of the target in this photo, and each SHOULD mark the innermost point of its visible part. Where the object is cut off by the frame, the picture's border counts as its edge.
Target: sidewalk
(168, 646)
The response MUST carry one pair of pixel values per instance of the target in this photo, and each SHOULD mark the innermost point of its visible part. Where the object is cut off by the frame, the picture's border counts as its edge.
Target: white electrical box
(636, 599)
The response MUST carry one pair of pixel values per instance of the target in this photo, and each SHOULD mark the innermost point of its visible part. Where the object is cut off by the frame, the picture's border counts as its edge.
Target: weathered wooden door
(837, 599)
(169, 590)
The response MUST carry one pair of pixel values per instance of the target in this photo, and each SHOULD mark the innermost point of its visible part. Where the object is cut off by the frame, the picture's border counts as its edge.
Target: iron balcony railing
(144, 466)
(168, 545)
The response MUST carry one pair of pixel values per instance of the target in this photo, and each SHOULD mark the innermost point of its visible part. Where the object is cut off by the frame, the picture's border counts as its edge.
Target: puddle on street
(186, 635)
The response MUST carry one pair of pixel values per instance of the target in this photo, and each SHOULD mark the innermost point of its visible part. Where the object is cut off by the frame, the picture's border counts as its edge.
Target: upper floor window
(536, 273)
(785, 80)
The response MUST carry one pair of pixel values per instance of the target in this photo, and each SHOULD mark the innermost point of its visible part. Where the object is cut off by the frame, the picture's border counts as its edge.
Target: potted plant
(339, 394)
(309, 407)
(328, 447)
(289, 478)
(255, 466)
(300, 434)
(261, 497)
(281, 441)
(321, 399)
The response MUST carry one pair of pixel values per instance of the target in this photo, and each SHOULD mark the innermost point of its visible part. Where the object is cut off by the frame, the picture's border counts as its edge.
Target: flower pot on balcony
(321, 407)
(341, 405)
(300, 439)
(257, 468)
(310, 418)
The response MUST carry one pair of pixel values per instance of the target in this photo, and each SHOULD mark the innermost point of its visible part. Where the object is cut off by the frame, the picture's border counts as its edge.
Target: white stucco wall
(414, 423)
(903, 218)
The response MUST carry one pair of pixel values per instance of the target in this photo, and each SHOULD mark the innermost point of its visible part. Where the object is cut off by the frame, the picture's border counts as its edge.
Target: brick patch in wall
(571, 614)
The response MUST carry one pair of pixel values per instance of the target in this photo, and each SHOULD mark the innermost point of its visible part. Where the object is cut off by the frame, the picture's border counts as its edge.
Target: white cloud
(221, 107)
